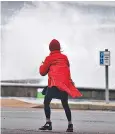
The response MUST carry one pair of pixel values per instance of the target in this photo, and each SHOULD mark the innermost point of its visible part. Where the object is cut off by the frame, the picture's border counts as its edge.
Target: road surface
(28, 120)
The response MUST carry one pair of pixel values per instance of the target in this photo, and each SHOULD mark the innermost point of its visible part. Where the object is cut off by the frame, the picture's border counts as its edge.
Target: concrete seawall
(21, 90)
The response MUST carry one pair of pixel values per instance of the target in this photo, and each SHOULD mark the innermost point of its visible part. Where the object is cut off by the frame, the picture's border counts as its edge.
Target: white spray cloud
(27, 35)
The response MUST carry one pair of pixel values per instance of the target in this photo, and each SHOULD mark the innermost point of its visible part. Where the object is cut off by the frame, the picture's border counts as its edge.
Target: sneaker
(47, 126)
(70, 128)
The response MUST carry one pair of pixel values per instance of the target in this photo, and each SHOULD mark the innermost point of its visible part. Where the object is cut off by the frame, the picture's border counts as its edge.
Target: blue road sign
(101, 57)
(101, 54)
(105, 58)
(101, 61)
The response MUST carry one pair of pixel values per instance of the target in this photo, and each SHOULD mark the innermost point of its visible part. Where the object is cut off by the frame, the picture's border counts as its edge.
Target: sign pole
(107, 82)
(105, 61)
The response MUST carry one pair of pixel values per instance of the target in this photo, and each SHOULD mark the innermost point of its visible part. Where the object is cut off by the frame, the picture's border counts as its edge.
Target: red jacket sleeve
(67, 61)
(44, 68)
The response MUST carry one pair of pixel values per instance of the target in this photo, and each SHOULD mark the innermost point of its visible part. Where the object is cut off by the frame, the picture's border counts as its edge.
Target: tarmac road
(28, 120)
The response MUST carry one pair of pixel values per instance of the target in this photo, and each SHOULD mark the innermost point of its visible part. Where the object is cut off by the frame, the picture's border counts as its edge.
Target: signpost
(105, 61)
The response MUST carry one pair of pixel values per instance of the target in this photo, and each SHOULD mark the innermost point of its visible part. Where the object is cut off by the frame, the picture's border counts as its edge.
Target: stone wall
(31, 91)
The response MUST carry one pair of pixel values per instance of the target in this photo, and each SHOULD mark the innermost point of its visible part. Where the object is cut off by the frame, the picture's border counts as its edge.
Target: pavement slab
(56, 104)
(15, 103)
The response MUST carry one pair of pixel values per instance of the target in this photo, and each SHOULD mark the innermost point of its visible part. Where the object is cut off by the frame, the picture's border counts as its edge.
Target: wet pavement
(28, 120)
(50, 132)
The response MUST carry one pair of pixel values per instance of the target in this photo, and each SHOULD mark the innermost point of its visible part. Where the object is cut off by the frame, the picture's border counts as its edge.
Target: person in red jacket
(60, 84)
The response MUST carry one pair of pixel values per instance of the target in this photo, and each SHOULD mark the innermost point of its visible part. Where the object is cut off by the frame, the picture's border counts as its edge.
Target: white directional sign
(105, 58)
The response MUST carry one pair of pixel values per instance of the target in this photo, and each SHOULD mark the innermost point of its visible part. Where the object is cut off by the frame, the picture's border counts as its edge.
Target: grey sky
(82, 31)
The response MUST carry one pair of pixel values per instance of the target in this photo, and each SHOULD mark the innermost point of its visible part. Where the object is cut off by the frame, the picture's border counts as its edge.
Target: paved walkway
(15, 103)
(56, 104)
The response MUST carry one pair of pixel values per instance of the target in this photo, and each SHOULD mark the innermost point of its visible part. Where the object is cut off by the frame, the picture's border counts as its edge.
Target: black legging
(65, 105)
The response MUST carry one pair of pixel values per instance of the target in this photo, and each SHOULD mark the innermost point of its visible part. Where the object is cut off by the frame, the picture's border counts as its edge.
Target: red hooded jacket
(57, 66)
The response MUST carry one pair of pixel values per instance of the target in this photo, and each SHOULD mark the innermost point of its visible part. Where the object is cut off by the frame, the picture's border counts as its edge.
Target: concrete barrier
(26, 90)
